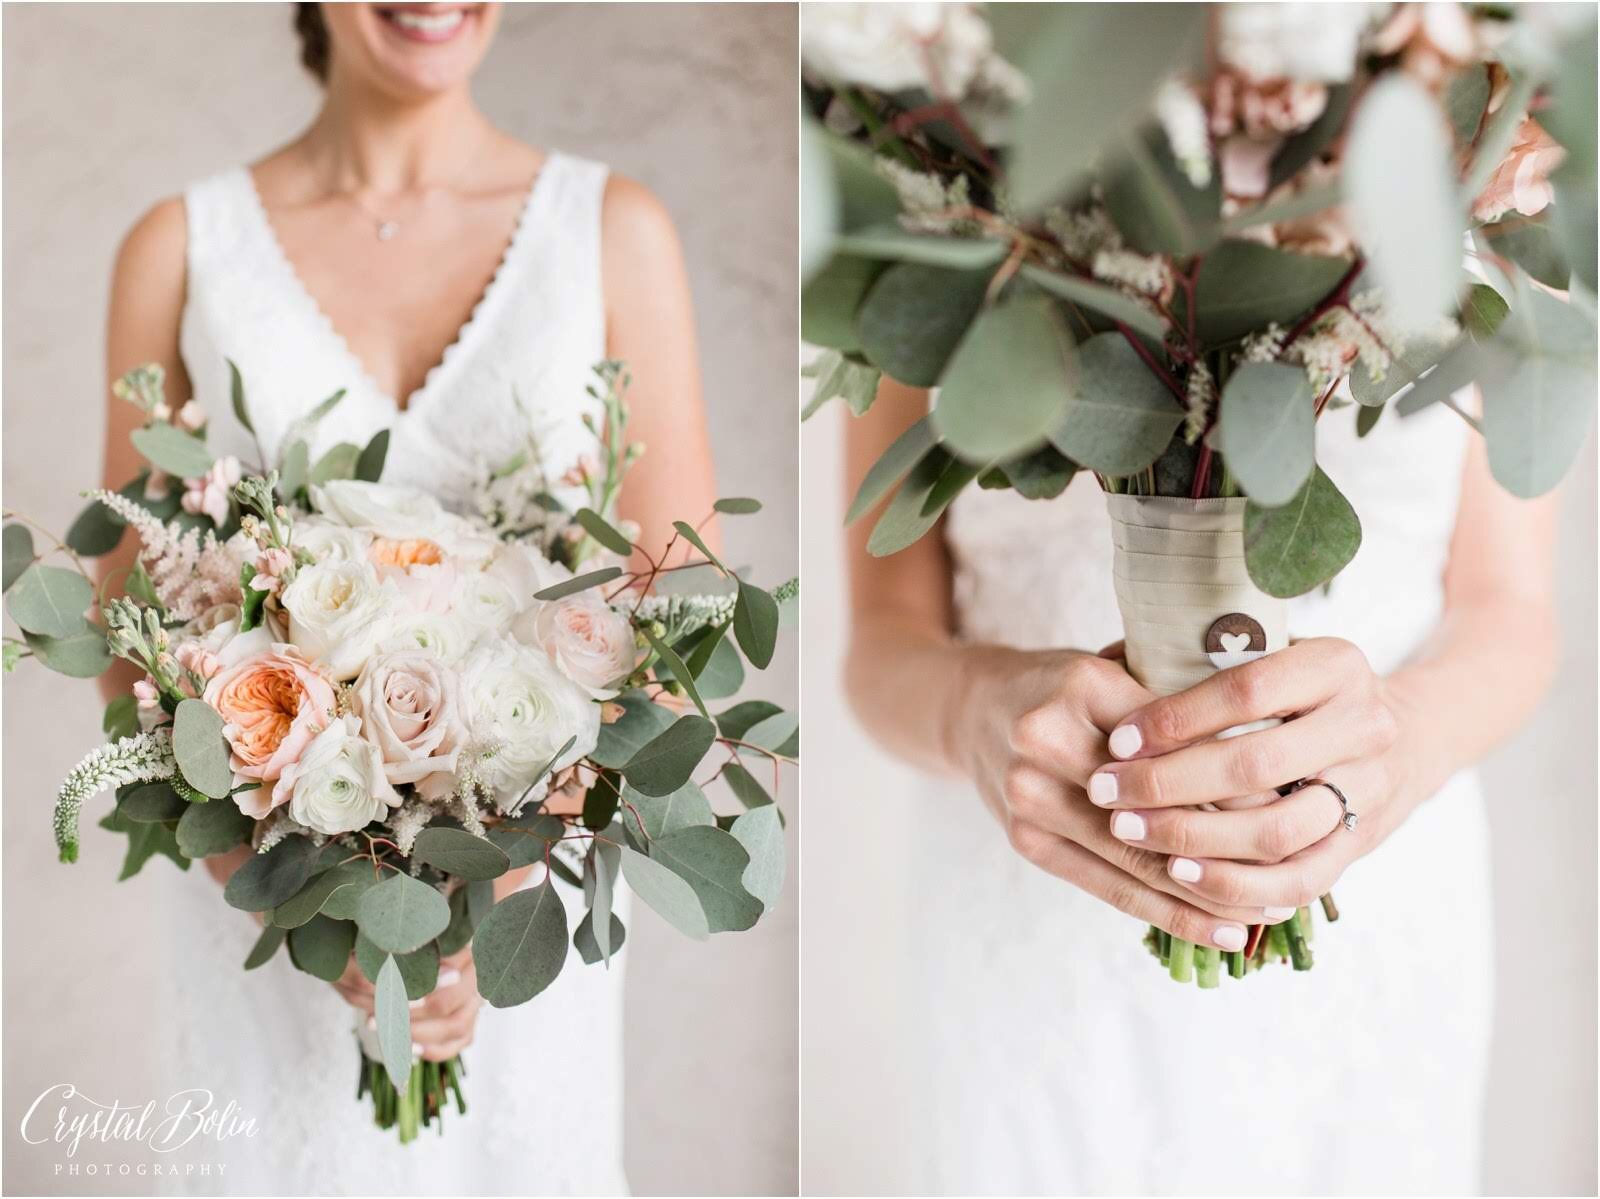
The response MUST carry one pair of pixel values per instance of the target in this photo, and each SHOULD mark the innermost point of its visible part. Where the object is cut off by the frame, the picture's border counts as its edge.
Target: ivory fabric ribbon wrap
(1178, 565)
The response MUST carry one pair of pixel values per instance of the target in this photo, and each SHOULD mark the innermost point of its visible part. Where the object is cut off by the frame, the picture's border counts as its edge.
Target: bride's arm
(1027, 728)
(650, 327)
(147, 293)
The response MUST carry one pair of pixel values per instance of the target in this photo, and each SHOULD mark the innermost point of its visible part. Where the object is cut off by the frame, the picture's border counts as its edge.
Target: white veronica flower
(521, 704)
(338, 612)
(338, 785)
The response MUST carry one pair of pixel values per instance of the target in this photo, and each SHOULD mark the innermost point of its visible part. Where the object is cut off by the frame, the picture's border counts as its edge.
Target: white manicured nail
(1276, 914)
(417, 1049)
(1230, 937)
(1103, 788)
(1128, 825)
(415, 1004)
(449, 977)
(1185, 870)
(372, 1023)
(1126, 740)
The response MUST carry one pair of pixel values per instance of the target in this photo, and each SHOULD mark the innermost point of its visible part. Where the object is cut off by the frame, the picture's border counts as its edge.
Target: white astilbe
(188, 571)
(1362, 331)
(931, 205)
(470, 820)
(1149, 275)
(1201, 396)
(1183, 119)
(1264, 346)
(140, 759)
(1082, 235)
(409, 819)
(279, 826)
(687, 613)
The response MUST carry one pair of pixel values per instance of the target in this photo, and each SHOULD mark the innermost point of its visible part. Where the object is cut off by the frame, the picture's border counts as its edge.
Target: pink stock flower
(192, 416)
(145, 692)
(194, 656)
(271, 565)
(209, 493)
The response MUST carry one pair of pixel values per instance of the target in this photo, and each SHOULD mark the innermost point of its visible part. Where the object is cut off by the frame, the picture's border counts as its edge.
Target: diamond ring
(1349, 819)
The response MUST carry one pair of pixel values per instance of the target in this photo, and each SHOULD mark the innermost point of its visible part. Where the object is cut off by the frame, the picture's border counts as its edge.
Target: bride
(1059, 1058)
(459, 285)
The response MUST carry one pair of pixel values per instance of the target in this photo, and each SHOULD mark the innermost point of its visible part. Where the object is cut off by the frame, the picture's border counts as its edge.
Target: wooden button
(1233, 627)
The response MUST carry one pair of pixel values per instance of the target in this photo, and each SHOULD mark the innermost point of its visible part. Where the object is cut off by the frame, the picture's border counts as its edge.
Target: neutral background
(1539, 1137)
(109, 108)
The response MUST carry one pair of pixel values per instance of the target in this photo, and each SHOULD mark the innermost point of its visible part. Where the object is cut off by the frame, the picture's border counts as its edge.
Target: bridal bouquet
(1156, 243)
(383, 699)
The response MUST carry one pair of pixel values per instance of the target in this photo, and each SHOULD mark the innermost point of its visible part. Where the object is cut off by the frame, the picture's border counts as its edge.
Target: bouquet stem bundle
(427, 1093)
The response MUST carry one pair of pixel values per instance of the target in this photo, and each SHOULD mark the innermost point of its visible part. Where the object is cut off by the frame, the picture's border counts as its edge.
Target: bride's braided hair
(315, 48)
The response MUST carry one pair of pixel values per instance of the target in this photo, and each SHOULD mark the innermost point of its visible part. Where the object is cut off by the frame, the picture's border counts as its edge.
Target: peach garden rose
(272, 705)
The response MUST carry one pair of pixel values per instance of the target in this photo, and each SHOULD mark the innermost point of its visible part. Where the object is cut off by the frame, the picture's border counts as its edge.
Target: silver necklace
(384, 228)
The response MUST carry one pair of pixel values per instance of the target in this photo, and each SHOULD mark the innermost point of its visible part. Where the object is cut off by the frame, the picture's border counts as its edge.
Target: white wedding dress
(544, 1080)
(1063, 1060)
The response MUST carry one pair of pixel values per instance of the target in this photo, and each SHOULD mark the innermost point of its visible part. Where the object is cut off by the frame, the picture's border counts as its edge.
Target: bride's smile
(429, 23)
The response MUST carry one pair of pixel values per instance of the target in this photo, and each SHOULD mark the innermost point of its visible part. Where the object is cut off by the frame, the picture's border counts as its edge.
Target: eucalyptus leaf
(321, 947)
(1532, 246)
(271, 878)
(313, 898)
(687, 532)
(915, 316)
(830, 299)
(121, 718)
(774, 733)
(392, 1013)
(18, 552)
(241, 410)
(606, 861)
(338, 463)
(50, 601)
(1244, 286)
(1154, 205)
(761, 835)
(1118, 416)
(713, 863)
(1041, 475)
(897, 245)
(912, 512)
(642, 720)
(1267, 435)
(737, 505)
(207, 829)
(401, 913)
(96, 531)
(265, 947)
(521, 945)
(201, 749)
(904, 453)
(666, 762)
(665, 893)
(1300, 148)
(600, 801)
(601, 530)
(1399, 146)
(584, 941)
(739, 721)
(1295, 548)
(577, 583)
(152, 803)
(419, 970)
(663, 814)
(369, 466)
(1107, 301)
(744, 786)
(293, 472)
(172, 450)
(84, 655)
(1006, 387)
(840, 377)
(456, 851)
(755, 624)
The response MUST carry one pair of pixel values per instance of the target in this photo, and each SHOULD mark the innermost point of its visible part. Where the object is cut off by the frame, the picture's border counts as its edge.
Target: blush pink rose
(272, 705)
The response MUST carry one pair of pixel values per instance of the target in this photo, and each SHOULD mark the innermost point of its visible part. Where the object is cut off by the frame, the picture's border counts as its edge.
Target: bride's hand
(1345, 728)
(443, 1021)
(1030, 728)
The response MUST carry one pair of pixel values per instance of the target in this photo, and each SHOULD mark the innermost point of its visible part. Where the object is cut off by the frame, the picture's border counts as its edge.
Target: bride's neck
(368, 143)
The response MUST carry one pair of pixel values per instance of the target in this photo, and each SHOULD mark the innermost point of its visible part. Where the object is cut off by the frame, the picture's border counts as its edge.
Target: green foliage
(713, 863)
(400, 914)
(369, 466)
(96, 531)
(597, 527)
(521, 946)
(338, 463)
(1300, 148)
(830, 299)
(641, 720)
(201, 749)
(663, 814)
(904, 453)
(392, 1014)
(664, 763)
(419, 970)
(456, 851)
(668, 895)
(315, 897)
(121, 718)
(1295, 548)
(150, 803)
(755, 624)
(207, 829)
(577, 583)
(583, 939)
(18, 552)
(50, 601)
(760, 832)
(1153, 204)
(1244, 286)
(1088, 89)
(271, 878)
(1266, 430)
(915, 316)
(1023, 348)
(81, 656)
(321, 947)
(913, 510)
(1107, 301)
(744, 721)
(265, 947)
(744, 786)
(172, 450)
(841, 376)
(1118, 416)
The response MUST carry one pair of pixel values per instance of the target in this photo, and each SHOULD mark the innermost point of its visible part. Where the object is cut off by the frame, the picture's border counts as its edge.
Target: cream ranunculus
(524, 710)
(443, 635)
(589, 641)
(409, 704)
(329, 542)
(484, 602)
(521, 567)
(338, 785)
(338, 612)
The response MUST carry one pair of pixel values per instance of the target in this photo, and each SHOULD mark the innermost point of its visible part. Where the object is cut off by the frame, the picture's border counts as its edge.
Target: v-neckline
(475, 317)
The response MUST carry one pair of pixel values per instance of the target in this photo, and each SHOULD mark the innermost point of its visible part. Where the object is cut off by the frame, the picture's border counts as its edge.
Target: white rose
(522, 706)
(409, 704)
(484, 602)
(403, 514)
(338, 612)
(1309, 43)
(588, 640)
(329, 542)
(338, 785)
(445, 636)
(887, 46)
(521, 567)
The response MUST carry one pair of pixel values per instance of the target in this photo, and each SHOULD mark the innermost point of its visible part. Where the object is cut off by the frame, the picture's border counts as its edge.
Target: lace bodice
(520, 364)
(276, 1041)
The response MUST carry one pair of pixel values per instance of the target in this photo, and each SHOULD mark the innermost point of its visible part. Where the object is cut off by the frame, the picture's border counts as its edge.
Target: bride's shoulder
(155, 244)
(635, 227)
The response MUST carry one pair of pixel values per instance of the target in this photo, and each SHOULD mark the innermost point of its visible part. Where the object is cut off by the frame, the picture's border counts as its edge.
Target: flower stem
(1182, 967)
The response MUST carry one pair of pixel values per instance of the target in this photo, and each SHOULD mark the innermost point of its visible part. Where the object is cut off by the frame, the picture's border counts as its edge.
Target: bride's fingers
(1260, 834)
(445, 1029)
(1212, 771)
(1292, 883)
(1122, 891)
(362, 1000)
(446, 1050)
(1057, 807)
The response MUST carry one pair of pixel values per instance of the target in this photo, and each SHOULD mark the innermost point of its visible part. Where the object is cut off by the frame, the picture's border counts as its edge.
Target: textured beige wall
(1539, 1136)
(110, 107)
